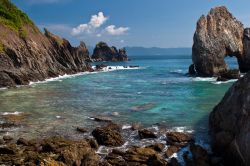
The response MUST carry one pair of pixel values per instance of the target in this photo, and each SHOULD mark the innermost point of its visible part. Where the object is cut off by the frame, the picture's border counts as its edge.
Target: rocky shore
(26, 54)
(58, 150)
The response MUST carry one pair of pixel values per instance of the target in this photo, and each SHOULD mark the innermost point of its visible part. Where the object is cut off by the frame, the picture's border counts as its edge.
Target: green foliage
(12, 17)
(23, 33)
(101, 44)
(1, 48)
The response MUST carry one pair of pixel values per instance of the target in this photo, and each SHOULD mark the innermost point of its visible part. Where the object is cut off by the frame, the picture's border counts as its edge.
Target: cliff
(217, 35)
(230, 124)
(103, 52)
(28, 55)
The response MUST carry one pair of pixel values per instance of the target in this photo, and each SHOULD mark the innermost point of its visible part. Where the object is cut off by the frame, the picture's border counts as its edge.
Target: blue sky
(148, 23)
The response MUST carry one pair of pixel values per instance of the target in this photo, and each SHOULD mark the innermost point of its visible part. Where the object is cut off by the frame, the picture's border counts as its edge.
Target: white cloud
(112, 30)
(95, 22)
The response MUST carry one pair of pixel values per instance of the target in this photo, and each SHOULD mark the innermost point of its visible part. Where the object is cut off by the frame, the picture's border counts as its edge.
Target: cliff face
(28, 55)
(230, 124)
(217, 35)
(103, 52)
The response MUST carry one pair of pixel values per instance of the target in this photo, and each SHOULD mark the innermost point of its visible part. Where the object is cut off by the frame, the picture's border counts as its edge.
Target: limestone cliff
(28, 55)
(103, 52)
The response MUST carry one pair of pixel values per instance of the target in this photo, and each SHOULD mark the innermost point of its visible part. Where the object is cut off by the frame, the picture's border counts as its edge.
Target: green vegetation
(12, 17)
(1, 48)
(101, 44)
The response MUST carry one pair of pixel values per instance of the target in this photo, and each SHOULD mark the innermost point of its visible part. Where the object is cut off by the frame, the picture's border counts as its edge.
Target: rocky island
(103, 52)
(218, 35)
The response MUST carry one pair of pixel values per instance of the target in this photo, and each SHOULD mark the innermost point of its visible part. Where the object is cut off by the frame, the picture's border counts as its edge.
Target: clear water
(158, 93)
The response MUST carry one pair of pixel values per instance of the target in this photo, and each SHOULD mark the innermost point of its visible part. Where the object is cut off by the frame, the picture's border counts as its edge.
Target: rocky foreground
(217, 35)
(62, 151)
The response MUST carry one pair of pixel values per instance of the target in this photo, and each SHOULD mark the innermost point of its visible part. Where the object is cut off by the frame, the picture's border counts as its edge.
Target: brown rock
(157, 147)
(7, 138)
(145, 133)
(174, 162)
(171, 150)
(81, 129)
(200, 155)
(108, 135)
(178, 138)
(22, 141)
(217, 35)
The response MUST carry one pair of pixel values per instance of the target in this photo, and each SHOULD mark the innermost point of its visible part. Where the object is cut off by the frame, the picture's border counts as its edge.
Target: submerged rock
(102, 119)
(109, 135)
(230, 124)
(143, 107)
(217, 35)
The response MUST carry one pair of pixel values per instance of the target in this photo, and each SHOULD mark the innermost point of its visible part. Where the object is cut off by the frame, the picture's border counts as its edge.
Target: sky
(146, 23)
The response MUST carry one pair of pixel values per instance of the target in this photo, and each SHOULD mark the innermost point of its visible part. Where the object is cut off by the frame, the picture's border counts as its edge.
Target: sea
(159, 94)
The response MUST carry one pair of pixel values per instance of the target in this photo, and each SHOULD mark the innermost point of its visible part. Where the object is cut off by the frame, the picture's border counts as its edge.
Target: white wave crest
(11, 113)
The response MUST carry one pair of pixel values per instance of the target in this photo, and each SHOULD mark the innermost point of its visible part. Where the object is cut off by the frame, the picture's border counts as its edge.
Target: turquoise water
(159, 93)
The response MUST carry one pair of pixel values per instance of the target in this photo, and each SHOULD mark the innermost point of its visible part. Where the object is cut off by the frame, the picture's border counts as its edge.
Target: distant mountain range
(158, 51)
(154, 51)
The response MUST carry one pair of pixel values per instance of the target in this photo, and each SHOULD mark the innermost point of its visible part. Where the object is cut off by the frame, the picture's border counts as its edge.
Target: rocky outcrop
(103, 52)
(50, 151)
(230, 124)
(28, 55)
(109, 135)
(219, 35)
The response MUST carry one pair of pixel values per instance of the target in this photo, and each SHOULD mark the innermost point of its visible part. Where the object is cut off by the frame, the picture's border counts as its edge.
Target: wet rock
(178, 138)
(143, 107)
(145, 133)
(7, 125)
(191, 69)
(102, 119)
(22, 141)
(230, 74)
(93, 143)
(81, 129)
(200, 155)
(109, 135)
(7, 138)
(157, 147)
(174, 162)
(9, 150)
(171, 150)
(229, 124)
(136, 156)
(217, 35)
(100, 67)
(136, 126)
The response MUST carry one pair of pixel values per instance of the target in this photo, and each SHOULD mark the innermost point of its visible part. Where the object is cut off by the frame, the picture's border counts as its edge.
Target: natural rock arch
(218, 35)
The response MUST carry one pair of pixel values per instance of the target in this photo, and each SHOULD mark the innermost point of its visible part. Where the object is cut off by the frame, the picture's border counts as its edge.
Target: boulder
(109, 135)
(200, 155)
(178, 138)
(81, 129)
(171, 150)
(157, 147)
(230, 124)
(217, 35)
(135, 156)
(145, 133)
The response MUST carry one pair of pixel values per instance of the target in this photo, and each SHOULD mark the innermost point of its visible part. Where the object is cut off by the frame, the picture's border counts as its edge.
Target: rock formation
(230, 124)
(218, 35)
(103, 52)
(28, 55)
